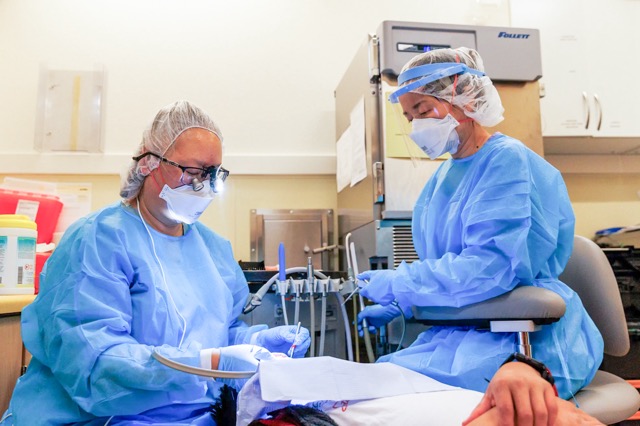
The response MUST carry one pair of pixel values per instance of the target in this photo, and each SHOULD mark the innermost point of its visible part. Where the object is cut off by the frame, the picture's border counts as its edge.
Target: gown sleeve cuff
(205, 358)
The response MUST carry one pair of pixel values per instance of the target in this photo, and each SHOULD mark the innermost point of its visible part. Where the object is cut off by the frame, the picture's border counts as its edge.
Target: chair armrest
(609, 398)
(535, 304)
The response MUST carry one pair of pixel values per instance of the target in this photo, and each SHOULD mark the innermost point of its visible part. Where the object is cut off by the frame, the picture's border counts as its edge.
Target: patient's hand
(570, 415)
(518, 396)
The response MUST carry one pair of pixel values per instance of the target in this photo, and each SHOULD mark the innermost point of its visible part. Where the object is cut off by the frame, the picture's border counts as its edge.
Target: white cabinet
(590, 64)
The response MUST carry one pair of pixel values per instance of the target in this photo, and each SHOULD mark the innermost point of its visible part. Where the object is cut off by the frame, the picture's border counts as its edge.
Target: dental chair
(608, 398)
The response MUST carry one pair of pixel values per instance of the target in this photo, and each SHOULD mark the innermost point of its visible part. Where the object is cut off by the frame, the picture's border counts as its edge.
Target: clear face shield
(432, 137)
(398, 140)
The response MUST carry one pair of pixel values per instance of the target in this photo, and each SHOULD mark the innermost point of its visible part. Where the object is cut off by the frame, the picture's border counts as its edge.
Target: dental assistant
(492, 217)
(137, 276)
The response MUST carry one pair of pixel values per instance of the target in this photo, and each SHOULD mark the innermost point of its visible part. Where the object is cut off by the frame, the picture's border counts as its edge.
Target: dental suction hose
(347, 328)
(365, 326)
(218, 374)
(352, 277)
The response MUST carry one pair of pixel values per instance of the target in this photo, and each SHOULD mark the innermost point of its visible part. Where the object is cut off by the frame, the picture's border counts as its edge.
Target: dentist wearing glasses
(139, 276)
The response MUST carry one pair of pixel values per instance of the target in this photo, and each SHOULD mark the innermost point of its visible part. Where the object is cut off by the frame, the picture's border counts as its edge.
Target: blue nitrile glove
(379, 287)
(280, 339)
(241, 358)
(377, 316)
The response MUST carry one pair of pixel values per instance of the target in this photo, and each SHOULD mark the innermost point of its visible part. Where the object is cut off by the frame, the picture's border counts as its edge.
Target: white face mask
(435, 136)
(185, 204)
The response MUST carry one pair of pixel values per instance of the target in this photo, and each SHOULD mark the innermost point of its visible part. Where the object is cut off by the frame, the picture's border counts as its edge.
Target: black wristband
(536, 365)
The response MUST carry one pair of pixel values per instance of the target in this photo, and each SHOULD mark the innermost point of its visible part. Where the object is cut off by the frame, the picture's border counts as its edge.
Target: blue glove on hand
(241, 357)
(280, 339)
(377, 316)
(379, 287)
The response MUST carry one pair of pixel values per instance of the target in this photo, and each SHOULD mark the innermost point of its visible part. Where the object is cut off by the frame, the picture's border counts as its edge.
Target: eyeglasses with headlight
(195, 176)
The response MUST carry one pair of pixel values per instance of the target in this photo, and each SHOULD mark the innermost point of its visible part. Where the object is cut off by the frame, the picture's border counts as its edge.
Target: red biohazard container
(41, 258)
(45, 208)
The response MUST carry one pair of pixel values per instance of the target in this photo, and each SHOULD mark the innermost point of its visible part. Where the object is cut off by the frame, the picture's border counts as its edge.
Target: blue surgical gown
(482, 225)
(108, 298)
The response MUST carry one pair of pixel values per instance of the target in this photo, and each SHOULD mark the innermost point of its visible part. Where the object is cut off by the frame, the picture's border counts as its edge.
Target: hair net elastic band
(429, 74)
(187, 128)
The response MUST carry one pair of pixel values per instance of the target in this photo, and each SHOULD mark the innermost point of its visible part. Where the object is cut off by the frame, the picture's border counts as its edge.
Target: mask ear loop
(155, 180)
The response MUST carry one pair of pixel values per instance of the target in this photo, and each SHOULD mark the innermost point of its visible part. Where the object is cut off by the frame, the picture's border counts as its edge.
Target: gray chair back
(589, 274)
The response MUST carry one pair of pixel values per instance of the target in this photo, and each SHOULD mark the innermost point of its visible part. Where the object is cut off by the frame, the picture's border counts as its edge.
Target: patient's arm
(517, 395)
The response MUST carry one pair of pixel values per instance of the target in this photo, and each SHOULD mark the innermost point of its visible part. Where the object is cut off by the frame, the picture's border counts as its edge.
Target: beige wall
(229, 215)
(604, 200)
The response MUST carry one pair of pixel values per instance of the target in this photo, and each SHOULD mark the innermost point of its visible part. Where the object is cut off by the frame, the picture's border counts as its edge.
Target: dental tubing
(365, 327)
(298, 288)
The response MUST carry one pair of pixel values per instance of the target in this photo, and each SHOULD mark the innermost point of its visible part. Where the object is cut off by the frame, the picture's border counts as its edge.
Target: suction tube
(347, 329)
(218, 374)
(365, 327)
(350, 275)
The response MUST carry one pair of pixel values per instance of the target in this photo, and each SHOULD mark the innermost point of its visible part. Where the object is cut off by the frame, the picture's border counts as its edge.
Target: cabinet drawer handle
(599, 105)
(585, 99)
